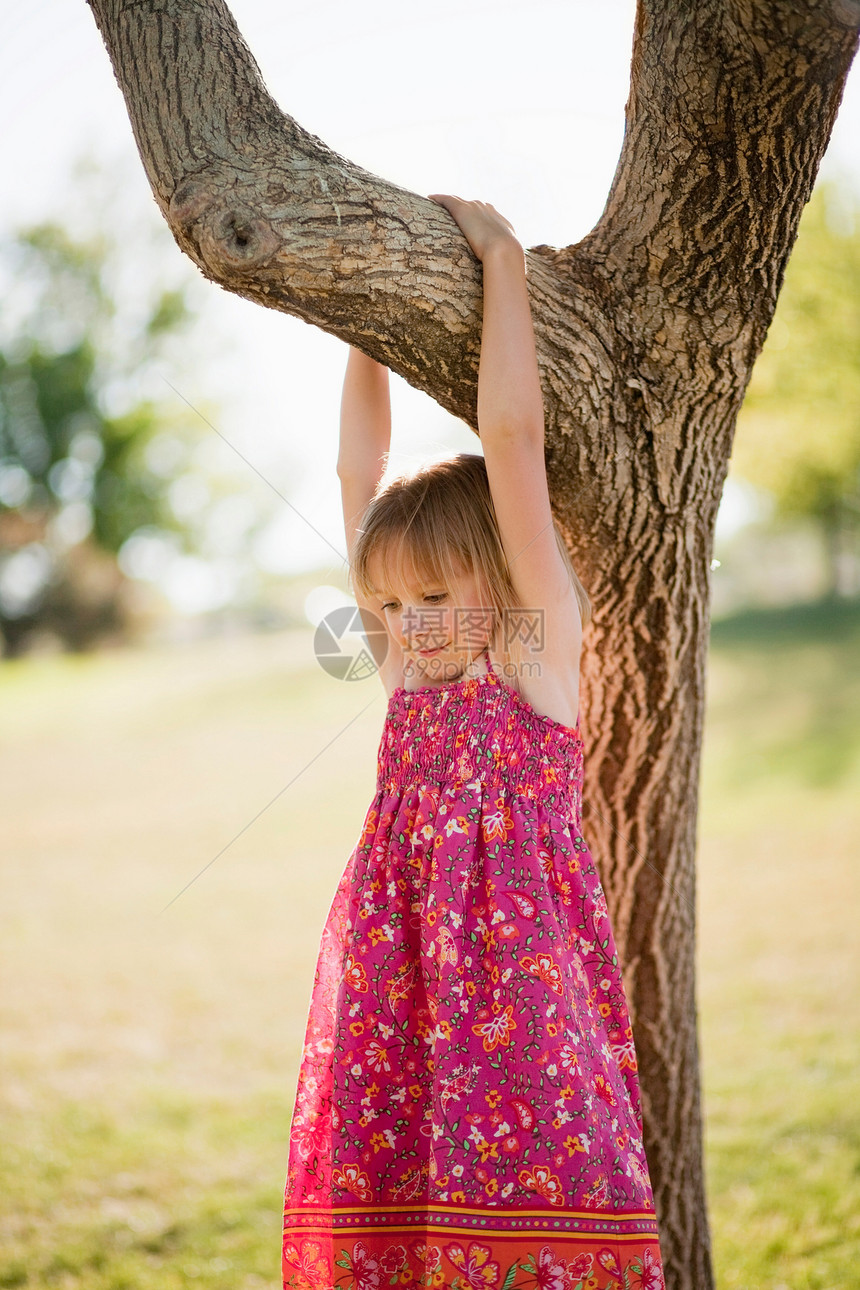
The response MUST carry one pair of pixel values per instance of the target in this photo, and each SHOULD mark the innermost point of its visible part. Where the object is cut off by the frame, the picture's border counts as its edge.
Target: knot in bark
(228, 239)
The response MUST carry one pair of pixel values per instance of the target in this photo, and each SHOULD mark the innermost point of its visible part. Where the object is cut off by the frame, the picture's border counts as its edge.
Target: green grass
(779, 954)
(149, 1056)
(171, 1191)
(785, 708)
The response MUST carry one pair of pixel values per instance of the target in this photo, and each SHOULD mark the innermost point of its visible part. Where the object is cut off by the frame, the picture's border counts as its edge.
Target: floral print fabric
(468, 1111)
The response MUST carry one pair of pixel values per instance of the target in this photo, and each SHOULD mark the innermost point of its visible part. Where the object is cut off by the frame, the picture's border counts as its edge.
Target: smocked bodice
(480, 729)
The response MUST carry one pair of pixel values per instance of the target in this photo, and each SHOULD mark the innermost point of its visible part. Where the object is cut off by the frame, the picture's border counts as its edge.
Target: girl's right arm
(365, 439)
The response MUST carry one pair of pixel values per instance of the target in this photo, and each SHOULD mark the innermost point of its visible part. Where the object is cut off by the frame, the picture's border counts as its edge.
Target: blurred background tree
(77, 423)
(118, 503)
(798, 434)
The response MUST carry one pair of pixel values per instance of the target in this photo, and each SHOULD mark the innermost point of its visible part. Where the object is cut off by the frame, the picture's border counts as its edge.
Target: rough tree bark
(647, 333)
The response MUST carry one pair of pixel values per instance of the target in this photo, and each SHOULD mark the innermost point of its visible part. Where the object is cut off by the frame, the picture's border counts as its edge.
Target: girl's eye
(439, 595)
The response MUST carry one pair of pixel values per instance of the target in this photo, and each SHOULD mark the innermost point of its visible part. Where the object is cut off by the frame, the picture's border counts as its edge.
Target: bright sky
(521, 104)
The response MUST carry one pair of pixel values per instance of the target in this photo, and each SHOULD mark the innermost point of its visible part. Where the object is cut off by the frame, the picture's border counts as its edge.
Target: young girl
(468, 1111)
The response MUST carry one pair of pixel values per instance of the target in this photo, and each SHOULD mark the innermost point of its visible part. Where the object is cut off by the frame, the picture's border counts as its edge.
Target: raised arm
(365, 438)
(511, 428)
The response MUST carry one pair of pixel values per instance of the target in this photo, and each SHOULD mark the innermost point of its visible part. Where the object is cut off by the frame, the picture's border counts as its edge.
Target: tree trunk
(647, 332)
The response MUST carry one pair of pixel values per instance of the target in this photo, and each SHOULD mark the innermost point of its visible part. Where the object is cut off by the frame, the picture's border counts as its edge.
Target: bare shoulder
(548, 678)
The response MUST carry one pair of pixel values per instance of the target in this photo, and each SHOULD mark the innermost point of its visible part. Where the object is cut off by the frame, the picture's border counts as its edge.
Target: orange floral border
(367, 1249)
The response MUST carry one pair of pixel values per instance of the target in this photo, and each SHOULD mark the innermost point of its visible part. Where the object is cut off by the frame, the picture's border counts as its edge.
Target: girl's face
(438, 628)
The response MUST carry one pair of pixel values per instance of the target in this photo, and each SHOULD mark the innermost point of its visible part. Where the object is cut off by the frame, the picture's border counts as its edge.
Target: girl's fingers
(442, 198)
(478, 221)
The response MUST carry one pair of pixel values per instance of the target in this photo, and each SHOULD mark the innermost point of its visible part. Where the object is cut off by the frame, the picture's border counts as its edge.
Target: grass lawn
(779, 952)
(151, 1039)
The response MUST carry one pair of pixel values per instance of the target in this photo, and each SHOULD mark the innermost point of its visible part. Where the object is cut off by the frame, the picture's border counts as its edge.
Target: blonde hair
(437, 519)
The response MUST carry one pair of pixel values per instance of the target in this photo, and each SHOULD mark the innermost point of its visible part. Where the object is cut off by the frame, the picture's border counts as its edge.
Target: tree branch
(266, 210)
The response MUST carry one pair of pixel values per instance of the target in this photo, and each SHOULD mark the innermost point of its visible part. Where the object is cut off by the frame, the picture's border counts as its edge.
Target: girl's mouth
(427, 652)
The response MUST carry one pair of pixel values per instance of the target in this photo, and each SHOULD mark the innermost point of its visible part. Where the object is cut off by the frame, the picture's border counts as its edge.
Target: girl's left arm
(511, 428)
(365, 439)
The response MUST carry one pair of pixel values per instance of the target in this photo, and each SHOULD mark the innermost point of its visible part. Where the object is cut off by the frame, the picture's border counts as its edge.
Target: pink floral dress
(468, 1110)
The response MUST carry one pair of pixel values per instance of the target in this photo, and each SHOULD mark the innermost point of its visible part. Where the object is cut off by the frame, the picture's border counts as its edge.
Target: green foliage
(799, 429)
(169, 315)
(76, 411)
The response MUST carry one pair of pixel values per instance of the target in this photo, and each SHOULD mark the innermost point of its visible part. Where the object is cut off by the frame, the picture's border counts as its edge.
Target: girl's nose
(412, 627)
